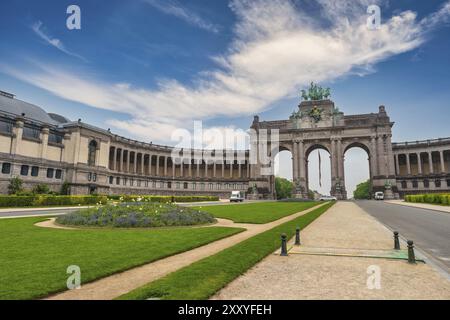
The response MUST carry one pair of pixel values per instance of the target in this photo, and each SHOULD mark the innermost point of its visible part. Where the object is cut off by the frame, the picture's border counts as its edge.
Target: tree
(15, 185)
(362, 190)
(283, 188)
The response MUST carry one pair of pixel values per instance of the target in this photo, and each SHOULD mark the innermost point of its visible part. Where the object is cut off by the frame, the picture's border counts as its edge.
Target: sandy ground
(421, 205)
(328, 277)
(124, 282)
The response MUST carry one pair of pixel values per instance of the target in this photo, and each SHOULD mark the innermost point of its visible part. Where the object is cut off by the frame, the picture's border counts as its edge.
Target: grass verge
(202, 279)
(34, 260)
(258, 213)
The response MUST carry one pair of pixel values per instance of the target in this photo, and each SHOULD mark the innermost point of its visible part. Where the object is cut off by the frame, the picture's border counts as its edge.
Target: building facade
(48, 148)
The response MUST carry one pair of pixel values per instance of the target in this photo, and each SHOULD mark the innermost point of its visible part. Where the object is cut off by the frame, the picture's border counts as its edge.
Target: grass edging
(203, 278)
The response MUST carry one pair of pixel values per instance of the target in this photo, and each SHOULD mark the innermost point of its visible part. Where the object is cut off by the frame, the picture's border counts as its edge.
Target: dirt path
(301, 276)
(116, 285)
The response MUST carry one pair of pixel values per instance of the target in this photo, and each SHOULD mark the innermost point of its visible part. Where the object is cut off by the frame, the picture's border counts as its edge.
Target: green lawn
(34, 260)
(261, 212)
(203, 278)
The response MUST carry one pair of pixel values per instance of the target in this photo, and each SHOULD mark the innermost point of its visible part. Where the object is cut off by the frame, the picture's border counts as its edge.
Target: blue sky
(147, 67)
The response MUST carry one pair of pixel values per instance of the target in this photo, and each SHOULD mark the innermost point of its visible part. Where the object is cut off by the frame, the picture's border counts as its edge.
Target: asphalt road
(430, 230)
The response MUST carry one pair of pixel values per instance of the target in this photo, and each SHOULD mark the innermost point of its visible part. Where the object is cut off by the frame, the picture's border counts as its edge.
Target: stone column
(333, 160)
(419, 163)
(430, 159)
(120, 160)
(197, 173)
(223, 168)
(134, 162)
(44, 142)
(239, 171)
(129, 161)
(374, 156)
(301, 157)
(295, 161)
(17, 136)
(165, 166)
(441, 153)
(397, 165)
(114, 160)
(408, 164)
(157, 165)
(181, 167)
(214, 169)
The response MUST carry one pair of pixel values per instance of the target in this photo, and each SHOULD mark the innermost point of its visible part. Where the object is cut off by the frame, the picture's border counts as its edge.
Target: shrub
(433, 198)
(15, 185)
(41, 189)
(137, 215)
(65, 188)
(48, 200)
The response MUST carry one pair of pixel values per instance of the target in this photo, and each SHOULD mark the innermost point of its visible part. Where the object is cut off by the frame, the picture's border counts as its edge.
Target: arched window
(92, 152)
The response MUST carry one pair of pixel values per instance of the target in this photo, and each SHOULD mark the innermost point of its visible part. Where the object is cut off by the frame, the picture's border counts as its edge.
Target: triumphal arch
(319, 124)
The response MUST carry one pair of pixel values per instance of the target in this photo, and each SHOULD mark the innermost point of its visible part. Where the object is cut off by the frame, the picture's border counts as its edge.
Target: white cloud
(277, 49)
(40, 31)
(173, 8)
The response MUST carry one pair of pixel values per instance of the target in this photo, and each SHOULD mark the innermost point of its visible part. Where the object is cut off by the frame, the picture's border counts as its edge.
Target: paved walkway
(116, 285)
(421, 205)
(301, 276)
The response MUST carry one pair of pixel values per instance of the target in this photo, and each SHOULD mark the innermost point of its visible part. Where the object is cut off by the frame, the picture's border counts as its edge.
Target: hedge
(433, 198)
(163, 199)
(46, 200)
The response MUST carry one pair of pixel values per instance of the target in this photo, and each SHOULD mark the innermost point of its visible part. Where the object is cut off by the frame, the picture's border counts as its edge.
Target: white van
(237, 196)
(379, 195)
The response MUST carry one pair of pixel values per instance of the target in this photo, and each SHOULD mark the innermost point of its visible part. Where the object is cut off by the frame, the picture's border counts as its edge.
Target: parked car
(379, 195)
(327, 198)
(237, 196)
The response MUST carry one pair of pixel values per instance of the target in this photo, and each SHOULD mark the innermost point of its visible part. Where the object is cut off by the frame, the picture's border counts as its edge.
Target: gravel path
(116, 285)
(298, 276)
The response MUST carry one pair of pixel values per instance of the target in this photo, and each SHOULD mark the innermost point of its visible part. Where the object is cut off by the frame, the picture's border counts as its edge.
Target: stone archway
(319, 122)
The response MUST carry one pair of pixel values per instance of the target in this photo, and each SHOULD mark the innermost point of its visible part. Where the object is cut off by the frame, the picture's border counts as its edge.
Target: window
(169, 185)
(111, 180)
(131, 182)
(185, 185)
(415, 184)
(202, 186)
(55, 138)
(90, 176)
(146, 184)
(178, 185)
(31, 132)
(211, 186)
(125, 180)
(24, 170)
(404, 185)
(6, 127)
(58, 174)
(6, 168)
(34, 171)
(448, 182)
(50, 173)
(94, 177)
(426, 183)
(437, 183)
(161, 185)
(139, 183)
(92, 153)
(194, 186)
(118, 180)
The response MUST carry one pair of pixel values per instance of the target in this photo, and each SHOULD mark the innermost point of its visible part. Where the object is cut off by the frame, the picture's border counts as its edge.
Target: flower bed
(139, 215)
(162, 199)
(433, 198)
(48, 200)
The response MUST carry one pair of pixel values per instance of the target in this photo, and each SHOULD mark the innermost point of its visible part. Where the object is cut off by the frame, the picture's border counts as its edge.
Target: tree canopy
(362, 190)
(283, 188)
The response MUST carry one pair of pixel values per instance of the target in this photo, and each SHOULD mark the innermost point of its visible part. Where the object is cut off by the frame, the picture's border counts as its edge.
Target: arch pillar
(299, 168)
